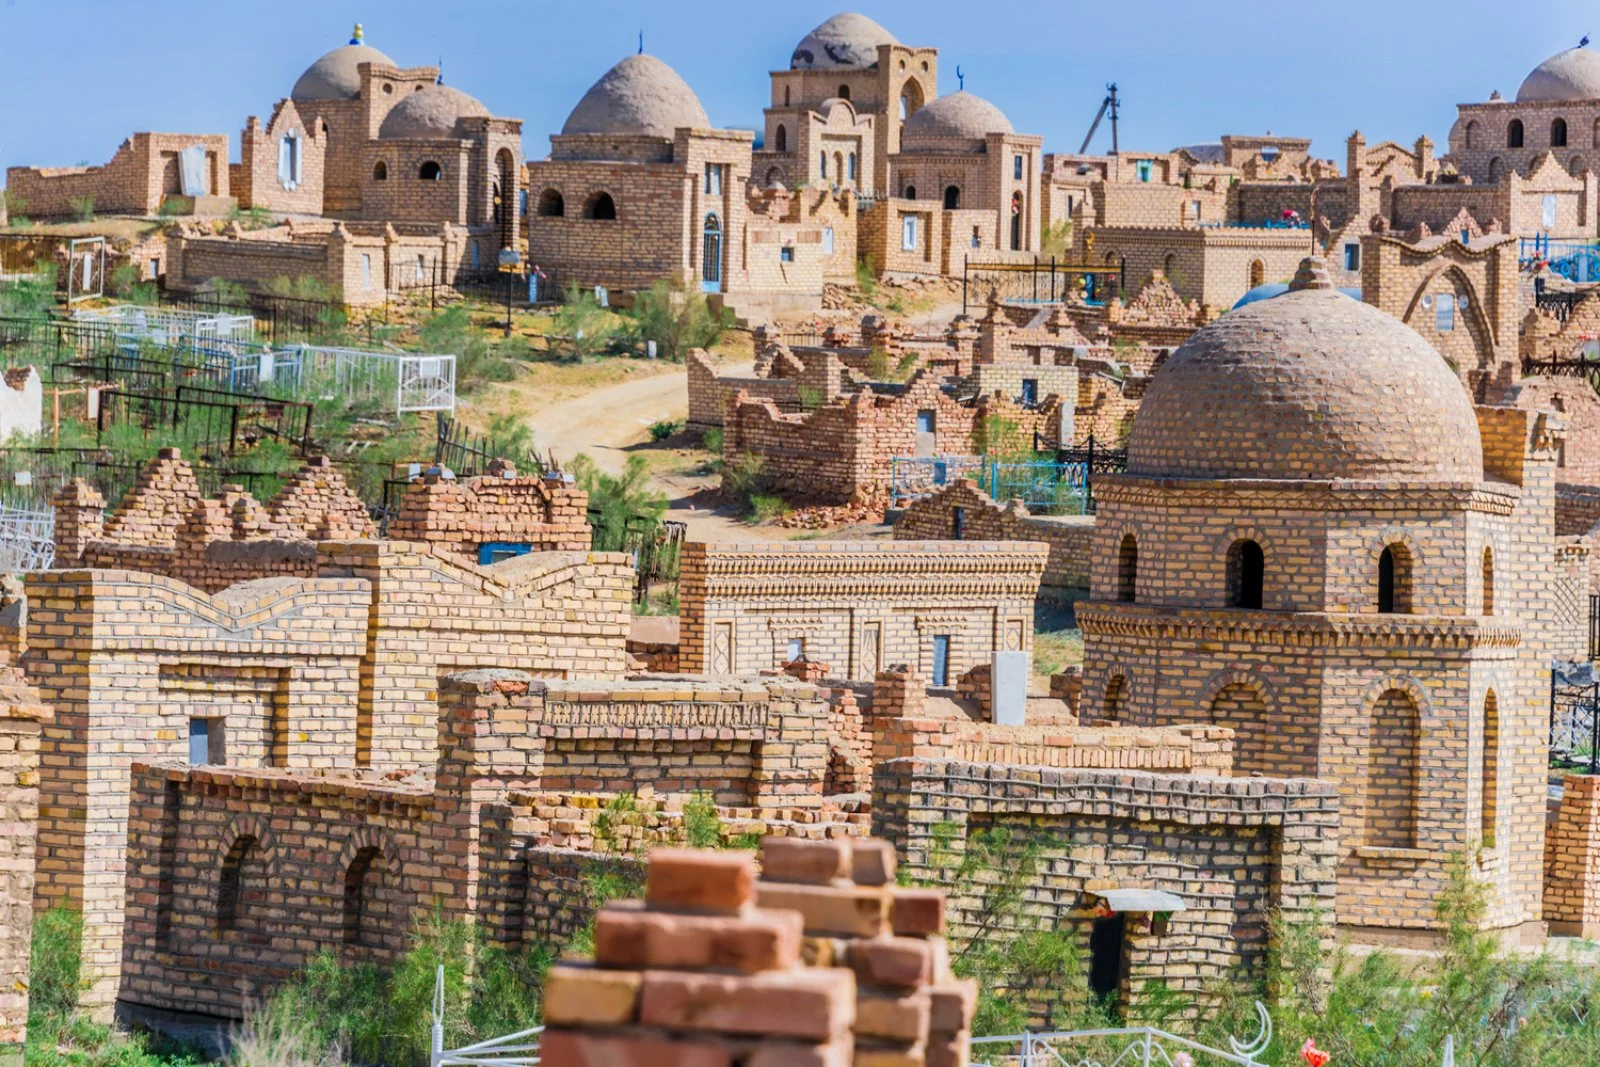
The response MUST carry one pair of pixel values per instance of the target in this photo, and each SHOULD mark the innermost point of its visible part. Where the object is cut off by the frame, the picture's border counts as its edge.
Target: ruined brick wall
(1215, 266)
(858, 606)
(1236, 851)
(139, 177)
(1574, 402)
(21, 713)
(256, 180)
(983, 519)
(1577, 509)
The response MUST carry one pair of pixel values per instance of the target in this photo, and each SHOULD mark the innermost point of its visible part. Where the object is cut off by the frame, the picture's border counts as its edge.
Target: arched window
(1494, 170)
(1514, 134)
(1394, 581)
(1116, 698)
(850, 165)
(1241, 709)
(1016, 221)
(911, 192)
(1491, 771)
(1393, 734)
(952, 197)
(1488, 581)
(780, 139)
(1558, 133)
(380, 171)
(1247, 566)
(430, 172)
(822, 164)
(905, 107)
(785, 96)
(711, 253)
(1167, 263)
(1128, 569)
(1471, 135)
(910, 100)
(844, 92)
(600, 206)
(229, 881)
(552, 204)
(1576, 166)
(1258, 273)
(359, 881)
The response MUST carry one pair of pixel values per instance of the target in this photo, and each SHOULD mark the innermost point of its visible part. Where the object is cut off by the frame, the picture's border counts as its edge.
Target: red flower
(1313, 1055)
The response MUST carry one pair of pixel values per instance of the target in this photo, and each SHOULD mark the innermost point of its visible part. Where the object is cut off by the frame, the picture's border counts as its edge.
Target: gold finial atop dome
(356, 36)
(1313, 274)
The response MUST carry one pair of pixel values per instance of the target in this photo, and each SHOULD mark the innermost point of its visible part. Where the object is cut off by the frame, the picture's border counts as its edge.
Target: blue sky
(80, 76)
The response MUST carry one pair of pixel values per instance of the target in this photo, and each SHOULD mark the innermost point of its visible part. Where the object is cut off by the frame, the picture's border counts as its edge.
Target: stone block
(582, 995)
(895, 962)
(626, 935)
(696, 880)
(575, 1048)
(894, 1017)
(952, 1004)
(872, 862)
(917, 912)
(836, 1053)
(793, 859)
(806, 1003)
(951, 1051)
(840, 911)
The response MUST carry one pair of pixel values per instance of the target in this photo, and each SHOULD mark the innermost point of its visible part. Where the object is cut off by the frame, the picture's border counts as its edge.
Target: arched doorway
(1016, 222)
(952, 197)
(711, 256)
(1258, 273)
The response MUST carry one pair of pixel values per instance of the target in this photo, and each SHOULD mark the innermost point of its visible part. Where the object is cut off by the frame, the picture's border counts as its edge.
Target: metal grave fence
(169, 326)
(1046, 486)
(1133, 1046)
(27, 539)
(416, 382)
(1575, 717)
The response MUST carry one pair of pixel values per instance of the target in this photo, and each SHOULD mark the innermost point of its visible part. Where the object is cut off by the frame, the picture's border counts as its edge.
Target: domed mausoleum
(1321, 544)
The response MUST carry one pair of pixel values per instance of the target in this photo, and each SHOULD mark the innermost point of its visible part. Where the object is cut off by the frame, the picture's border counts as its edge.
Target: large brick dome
(1570, 75)
(430, 113)
(846, 40)
(640, 95)
(334, 76)
(958, 117)
(1309, 385)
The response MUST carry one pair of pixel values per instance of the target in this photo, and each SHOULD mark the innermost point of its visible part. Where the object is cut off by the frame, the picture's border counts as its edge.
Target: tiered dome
(847, 40)
(430, 113)
(1570, 75)
(1309, 385)
(957, 117)
(334, 76)
(640, 95)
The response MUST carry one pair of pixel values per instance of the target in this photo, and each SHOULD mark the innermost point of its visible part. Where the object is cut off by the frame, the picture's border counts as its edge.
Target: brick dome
(430, 113)
(1309, 385)
(1570, 75)
(846, 40)
(640, 95)
(957, 117)
(334, 76)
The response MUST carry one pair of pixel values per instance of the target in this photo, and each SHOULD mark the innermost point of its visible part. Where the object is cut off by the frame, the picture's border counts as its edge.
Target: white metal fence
(417, 382)
(167, 327)
(27, 540)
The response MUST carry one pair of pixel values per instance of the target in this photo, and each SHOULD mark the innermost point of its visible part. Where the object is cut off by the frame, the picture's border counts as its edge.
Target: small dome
(1308, 385)
(640, 95)
(846, 40)
(334, 76)
(1570, 75)
(430, 113)
(957, 117)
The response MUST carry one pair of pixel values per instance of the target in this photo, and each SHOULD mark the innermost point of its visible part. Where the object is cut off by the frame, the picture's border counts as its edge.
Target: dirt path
(608, 423)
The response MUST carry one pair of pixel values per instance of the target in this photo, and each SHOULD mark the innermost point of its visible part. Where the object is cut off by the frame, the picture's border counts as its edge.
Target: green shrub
(702, 828)
(866, 279)
(767, 508)
(581, 329)
(660, 431)
(677, 317)
(55, 969)
(173, 207)
(742, 476)
(810, 397)
(711, 440)
(619, 504)
(82, 208)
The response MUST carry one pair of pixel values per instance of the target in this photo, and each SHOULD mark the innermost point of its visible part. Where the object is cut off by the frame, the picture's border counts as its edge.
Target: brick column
(21, 712)
(80, 519)
(1572, 861)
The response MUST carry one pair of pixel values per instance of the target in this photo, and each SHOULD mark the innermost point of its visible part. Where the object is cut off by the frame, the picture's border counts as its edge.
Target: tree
(677, 319)
(620, 504)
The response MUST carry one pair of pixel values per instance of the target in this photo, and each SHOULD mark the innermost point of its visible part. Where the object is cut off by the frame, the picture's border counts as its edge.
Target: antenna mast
(1108, 105)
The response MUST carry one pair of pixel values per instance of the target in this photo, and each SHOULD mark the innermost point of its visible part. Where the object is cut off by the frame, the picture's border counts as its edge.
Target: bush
(660, 431)
(622, 504)
(767, 508)
(172, 207)
(677, 318)
(82, 208)
(866, 279)
(711, 440)
(742, 476)
(55, 969)
(581, 329)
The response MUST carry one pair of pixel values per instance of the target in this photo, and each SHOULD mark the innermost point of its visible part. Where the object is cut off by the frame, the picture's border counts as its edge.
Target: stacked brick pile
(910, 1010)
(80, 519)
(318, 505)
(698, 975)
(547, 513)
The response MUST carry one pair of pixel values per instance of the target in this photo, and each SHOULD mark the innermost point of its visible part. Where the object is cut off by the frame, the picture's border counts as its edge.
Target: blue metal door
(711, 257)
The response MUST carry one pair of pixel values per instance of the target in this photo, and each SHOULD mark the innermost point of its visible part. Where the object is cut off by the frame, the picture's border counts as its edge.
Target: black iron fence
(278, 318)
(1575, 717)
(655, 547)
(465, 453)
(1559, 304)
(1594, 628)
(1094, 457)
(48, 342)
(1040, 281)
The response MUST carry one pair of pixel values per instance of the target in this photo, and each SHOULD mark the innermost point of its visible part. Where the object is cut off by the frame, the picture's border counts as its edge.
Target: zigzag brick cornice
(1137, 491)
(825, 570)
(1295, 629)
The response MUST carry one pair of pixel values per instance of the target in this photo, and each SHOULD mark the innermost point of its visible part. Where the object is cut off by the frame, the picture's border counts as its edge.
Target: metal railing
(1039, 282)
(1575, 717)
(520, 1049)
(1134, 1046)
(415, 382)
(1046, 487)
(27, 539)
(167, 326)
